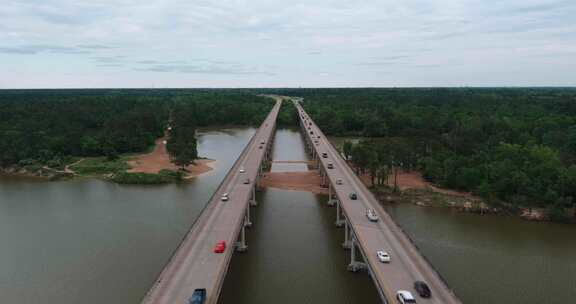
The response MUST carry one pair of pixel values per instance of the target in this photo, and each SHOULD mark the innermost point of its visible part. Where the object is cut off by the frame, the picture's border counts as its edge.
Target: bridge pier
(347, 244)
(339, 221)
(355, 265)
(241, 243)
(331, 200)
(253, 201)
(247, 222)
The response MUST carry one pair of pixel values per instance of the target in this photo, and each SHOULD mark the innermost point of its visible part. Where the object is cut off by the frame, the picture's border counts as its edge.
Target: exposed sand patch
(293, 162)
(308, 181)
(159, 159)
(414, 180)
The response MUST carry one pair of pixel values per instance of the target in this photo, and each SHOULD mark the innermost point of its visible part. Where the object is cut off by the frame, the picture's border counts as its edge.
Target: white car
(383, 256)
(371, 214)
(405, 297)
(224, 197)
(242, 170)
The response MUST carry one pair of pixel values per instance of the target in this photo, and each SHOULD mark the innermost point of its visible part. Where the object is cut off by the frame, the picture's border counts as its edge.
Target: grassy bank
(162, 177)
(98, 166)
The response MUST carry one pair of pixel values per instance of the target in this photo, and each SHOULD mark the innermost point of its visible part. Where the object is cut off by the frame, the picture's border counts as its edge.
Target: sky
(296, 43)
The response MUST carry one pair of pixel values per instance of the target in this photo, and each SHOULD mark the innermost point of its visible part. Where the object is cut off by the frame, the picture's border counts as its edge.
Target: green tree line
(507, 145)
(50, 126)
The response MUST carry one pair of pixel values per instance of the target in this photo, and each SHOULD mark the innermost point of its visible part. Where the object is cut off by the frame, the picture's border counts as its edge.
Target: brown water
(88, 241)
(495, 259)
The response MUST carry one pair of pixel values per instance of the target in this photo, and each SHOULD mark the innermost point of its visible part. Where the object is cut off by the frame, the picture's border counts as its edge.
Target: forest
(52, 127)
(508, 145)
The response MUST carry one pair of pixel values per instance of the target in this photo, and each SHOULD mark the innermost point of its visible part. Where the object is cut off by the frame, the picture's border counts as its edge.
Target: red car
(220, 247)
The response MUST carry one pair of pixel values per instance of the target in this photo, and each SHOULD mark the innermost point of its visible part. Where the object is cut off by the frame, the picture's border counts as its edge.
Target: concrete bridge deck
(194, 264)
(364, 238)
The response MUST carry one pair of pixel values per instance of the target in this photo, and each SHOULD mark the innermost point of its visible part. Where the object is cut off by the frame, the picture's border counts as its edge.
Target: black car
(353, 196)
(198, 296)
(422, 289)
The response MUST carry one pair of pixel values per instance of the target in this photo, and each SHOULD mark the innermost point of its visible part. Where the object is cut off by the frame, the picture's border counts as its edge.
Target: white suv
(405, 297)
(371, 214)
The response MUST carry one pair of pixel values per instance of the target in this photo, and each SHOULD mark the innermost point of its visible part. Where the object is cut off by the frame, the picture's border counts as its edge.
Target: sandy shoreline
(308, 181)
(159, 159)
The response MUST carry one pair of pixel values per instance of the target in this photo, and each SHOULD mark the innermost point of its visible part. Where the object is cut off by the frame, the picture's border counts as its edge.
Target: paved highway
(194, 264)
(407, 265)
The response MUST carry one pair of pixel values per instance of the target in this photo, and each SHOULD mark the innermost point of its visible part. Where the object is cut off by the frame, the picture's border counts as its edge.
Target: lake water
(90, 241)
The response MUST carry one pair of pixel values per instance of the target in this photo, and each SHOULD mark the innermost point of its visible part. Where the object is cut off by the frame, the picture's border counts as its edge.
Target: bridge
(361, 236)
(194, 264)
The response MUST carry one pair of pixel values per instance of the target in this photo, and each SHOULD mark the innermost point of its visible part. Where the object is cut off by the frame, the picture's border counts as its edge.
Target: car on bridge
(224, 197)
(371, 214)
(330, 166)
(247, 181)
(383, 256)
(339, 181)
(324, 155)
(242, 170)
(220, 247)
(198, 296)
(422, 289)
(353, 196)
(405, 297)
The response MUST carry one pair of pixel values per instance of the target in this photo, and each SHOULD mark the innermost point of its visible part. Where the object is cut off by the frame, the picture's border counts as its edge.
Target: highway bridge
(194, 264)
(364, 237)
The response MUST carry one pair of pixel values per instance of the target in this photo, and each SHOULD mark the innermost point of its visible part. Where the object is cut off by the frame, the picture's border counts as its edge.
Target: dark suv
(422, 289)
(198, 296)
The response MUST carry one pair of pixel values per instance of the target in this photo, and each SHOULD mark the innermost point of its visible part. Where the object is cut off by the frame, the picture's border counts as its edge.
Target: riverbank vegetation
(42, 129)
(512, 146)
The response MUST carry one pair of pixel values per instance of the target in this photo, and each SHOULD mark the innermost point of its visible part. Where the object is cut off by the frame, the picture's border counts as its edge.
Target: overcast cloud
(265, 43)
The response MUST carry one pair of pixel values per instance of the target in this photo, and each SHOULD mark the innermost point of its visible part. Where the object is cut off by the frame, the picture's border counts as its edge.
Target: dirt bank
(299, 181)
(414, 180)
(159, 159)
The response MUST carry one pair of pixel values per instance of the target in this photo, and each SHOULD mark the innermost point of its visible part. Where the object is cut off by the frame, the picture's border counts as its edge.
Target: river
(89, 241)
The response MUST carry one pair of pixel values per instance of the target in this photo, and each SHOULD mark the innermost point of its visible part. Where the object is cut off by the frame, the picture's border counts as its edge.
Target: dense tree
(44, 127)
(512, 145)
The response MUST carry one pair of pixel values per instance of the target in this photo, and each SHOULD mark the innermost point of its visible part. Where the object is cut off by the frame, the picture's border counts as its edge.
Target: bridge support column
(355, 264)
(253, 201)
(241, 243)
(331, 200)
(339, 220)
(347, 244)
(247, 222)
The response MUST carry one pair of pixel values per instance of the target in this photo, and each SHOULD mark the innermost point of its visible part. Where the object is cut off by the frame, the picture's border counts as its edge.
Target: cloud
(385, 60)
(349, 42)
(42, 48)
(94, 47)
(227, 69)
